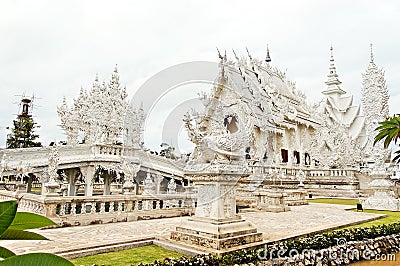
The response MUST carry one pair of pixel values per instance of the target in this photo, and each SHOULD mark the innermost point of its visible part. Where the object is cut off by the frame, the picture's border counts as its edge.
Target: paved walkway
(300, 220)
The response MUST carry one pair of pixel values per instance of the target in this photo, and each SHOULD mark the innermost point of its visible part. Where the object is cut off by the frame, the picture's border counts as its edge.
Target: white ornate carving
(171, 187)
(332, 146)
(301, 176)
(261, 99)
(336, 141)
(383, 198)
(149, 186)
(375, 97)
(98, 113)
(52, 183)
(130, 169)
(54, 160)
(134, 124)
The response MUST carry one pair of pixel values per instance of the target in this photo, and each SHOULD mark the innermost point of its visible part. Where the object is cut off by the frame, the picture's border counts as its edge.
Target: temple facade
(254, 118)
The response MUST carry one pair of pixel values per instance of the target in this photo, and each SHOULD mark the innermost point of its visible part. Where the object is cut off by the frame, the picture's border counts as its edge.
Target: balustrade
(108, 150)
(78, 206)
(291, 172)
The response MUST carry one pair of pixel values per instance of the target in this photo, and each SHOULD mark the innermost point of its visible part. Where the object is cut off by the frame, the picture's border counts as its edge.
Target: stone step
(177, 247)
(181, 245)
(93, 250)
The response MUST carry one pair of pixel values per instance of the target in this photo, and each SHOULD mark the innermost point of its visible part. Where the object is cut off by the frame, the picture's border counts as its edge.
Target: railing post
(73, 208)
(62, 209)
(93, 209)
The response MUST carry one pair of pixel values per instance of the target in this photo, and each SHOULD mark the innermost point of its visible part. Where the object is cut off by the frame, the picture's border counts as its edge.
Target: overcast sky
(52, 48)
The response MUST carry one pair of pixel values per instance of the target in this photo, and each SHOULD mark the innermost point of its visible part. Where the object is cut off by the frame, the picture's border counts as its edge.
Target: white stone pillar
(29, 183)
(42, 179)
(71, 173)
(88, 173)
(107, 184)
(157, 180)
(136, 188)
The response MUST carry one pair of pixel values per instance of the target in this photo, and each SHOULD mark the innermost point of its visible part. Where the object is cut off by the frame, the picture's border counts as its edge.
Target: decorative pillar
(158, 179)
(88, 173)
(42, 179)
(136, 188)
(107, 183)
(216, 225)
(71, 174)
(29, 183)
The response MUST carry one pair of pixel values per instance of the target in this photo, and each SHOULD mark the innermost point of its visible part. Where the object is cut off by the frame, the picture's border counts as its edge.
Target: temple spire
(219, 54)
(248, 54)
(375, 102)
(332, 76)
(372, 54)
(115, 76)
(333, 81)
(268, 57)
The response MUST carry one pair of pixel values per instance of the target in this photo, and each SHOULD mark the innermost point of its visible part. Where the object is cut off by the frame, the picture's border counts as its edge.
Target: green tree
(389, 131)
(23, 133)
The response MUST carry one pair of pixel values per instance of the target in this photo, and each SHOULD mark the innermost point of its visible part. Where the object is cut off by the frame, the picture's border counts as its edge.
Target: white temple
(255, 121)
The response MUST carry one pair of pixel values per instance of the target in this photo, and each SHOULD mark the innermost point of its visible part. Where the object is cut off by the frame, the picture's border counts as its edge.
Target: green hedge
(312, 241)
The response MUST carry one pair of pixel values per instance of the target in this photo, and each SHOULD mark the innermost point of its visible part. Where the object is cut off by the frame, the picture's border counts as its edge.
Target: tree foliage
(389, 131)
(8, 210)
(23, 133)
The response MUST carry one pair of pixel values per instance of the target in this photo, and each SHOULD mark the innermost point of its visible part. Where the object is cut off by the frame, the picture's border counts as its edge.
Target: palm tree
(389, 130)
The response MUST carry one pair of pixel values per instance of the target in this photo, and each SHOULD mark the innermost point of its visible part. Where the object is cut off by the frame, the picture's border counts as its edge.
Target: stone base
(217, 235)
(271, 208)
(271, 201)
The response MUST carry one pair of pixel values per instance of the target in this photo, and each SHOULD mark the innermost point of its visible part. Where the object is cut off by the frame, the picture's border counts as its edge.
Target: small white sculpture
(171, 187)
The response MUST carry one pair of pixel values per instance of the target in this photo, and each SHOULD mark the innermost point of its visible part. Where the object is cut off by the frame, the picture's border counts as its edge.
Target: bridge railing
(104, 207)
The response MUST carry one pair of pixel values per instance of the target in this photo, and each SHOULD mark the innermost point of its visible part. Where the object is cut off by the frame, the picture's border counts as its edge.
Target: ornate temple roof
(339, 105)
(273, 98)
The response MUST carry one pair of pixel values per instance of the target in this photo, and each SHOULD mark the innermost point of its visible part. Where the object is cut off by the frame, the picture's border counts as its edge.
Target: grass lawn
(146, 254)
(391, 217)
(335, 201)
(27, 220)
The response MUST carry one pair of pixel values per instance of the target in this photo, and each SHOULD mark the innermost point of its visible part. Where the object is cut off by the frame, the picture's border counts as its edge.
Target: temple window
(307, 159)
(284, 154)
(296, 157)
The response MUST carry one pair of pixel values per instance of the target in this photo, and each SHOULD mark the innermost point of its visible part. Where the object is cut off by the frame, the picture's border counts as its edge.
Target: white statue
(301, 176)
(149, 186)
(171, 187)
